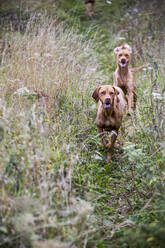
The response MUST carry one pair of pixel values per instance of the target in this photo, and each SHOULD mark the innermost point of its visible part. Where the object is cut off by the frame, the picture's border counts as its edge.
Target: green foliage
(148, 234)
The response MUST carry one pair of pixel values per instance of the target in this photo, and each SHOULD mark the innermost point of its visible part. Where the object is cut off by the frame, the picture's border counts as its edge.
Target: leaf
(3, 229)
(100, 245)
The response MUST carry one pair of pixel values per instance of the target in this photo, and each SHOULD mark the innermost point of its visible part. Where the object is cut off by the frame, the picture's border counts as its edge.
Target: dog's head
(106, 94)
(123, 52)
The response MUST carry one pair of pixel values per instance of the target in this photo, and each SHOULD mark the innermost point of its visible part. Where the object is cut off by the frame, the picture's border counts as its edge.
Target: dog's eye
(102, 92)
(127, 55)
(111, 93)
(120, 55)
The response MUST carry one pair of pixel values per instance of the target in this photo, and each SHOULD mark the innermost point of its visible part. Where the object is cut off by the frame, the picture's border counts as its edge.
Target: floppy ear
(116, 93)
(116, 50)
(95, 94)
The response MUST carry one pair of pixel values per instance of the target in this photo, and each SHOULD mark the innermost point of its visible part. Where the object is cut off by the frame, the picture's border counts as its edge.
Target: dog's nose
(123, 60)
(107, 100)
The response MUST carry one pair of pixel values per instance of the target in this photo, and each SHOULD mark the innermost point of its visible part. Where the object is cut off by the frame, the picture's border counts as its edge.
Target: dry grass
(46, 81)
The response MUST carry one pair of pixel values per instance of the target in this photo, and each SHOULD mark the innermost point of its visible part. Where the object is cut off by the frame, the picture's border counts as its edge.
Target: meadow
(56, 189)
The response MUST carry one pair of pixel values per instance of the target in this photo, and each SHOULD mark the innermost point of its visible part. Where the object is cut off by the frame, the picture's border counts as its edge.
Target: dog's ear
(116, 50)
(116, 93)
(95, 94)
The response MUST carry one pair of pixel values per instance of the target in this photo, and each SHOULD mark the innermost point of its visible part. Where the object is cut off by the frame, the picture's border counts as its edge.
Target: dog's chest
(108, 123)
(122, 80)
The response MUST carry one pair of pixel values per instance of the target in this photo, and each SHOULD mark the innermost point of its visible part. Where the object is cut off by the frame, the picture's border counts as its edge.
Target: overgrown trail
(56, 188)
(124, 192)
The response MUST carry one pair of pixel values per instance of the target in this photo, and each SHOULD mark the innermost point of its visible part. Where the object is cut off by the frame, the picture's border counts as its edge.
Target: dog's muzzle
(123, 63)
(107, 103)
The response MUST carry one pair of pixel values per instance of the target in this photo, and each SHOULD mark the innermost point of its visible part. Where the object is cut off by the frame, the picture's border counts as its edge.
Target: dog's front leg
(130, 101)
(103, 137)
(114, 135)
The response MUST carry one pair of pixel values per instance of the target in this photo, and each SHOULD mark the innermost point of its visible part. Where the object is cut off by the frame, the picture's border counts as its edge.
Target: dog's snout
(107, 100)
(123, 60)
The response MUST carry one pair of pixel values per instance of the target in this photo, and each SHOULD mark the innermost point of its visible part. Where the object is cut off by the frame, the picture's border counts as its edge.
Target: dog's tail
(138, 68)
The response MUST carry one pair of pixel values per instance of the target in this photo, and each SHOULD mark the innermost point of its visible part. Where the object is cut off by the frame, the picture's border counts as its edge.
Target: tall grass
(46, 82)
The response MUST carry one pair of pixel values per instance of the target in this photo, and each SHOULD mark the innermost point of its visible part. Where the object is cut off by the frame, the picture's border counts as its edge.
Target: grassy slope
(52, 158)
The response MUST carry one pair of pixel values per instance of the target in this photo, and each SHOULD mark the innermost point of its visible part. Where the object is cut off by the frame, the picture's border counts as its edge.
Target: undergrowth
(56, 188)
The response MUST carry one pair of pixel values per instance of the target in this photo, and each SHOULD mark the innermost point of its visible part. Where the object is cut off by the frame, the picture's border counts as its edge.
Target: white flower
(47, 55)
(135, 10)
(157, 96)
(22, 91)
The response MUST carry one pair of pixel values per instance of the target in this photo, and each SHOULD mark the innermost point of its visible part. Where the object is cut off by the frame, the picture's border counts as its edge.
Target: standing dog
(109, 115)
(89, 10)
(123, 76)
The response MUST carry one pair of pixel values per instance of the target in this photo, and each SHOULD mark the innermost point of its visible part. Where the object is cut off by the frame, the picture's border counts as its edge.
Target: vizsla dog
(89, 10)
(123, 76)
(109, 115)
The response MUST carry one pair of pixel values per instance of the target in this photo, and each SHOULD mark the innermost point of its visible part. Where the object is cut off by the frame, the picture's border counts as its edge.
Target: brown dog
(109, 115)
(89, 10)
(123, 76)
